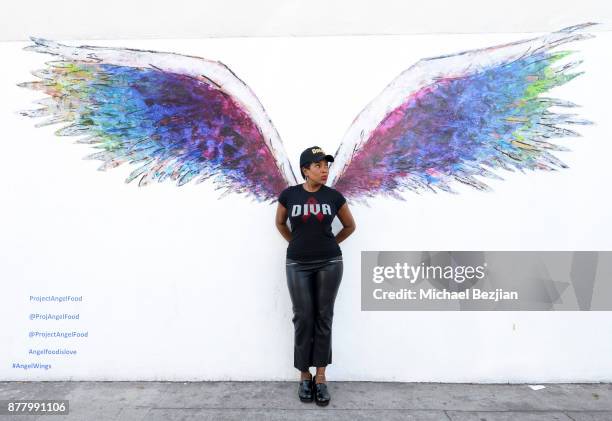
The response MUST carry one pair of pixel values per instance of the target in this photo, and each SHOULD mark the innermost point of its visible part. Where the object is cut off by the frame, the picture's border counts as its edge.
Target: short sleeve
(282, 198)
(340, 200)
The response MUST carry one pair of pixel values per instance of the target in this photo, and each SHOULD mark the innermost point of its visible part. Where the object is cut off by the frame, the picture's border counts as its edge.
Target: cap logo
(317, 150)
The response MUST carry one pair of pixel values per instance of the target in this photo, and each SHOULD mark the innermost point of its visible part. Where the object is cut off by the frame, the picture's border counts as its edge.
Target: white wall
(181, 286)
(120, 19)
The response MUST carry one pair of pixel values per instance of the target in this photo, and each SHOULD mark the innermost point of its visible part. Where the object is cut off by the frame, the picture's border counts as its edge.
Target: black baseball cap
(314, 154)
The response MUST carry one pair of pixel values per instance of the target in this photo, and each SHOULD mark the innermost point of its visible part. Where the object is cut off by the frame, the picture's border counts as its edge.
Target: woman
(314, 267)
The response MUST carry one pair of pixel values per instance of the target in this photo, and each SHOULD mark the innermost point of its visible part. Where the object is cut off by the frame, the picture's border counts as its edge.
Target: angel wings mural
(182, 118)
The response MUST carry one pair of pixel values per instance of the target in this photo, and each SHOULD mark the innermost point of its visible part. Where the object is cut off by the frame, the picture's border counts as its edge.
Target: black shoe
(305, 390)
(321, 394)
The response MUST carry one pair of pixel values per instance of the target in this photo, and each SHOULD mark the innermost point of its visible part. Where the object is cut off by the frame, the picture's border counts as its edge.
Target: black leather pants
(313, 287)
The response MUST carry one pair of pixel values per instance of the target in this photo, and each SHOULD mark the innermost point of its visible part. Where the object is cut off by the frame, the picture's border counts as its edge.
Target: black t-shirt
(311, 215)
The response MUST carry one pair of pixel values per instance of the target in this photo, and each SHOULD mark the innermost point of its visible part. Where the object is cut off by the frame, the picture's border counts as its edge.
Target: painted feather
(172, 116)
(447, 118)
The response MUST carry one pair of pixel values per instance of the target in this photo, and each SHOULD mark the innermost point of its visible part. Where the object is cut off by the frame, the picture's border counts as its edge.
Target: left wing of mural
(172, 116)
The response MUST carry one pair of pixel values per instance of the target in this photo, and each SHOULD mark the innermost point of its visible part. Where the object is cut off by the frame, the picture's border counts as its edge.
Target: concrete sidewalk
(168, 401)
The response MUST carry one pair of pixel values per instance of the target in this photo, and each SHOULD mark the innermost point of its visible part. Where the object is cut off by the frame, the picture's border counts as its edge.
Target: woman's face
(318, 171)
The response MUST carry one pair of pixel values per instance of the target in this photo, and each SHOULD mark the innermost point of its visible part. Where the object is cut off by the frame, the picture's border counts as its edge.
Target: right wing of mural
(446, 118)
(175, 117)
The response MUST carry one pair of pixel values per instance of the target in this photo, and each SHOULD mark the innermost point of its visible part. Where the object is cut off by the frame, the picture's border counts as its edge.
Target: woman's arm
(348, 223)
(281, 222)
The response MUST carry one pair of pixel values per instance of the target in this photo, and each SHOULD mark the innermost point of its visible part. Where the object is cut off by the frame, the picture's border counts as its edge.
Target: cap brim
(328, 158)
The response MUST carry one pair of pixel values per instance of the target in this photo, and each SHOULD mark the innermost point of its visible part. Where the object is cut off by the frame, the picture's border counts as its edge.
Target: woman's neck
(310, 188)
